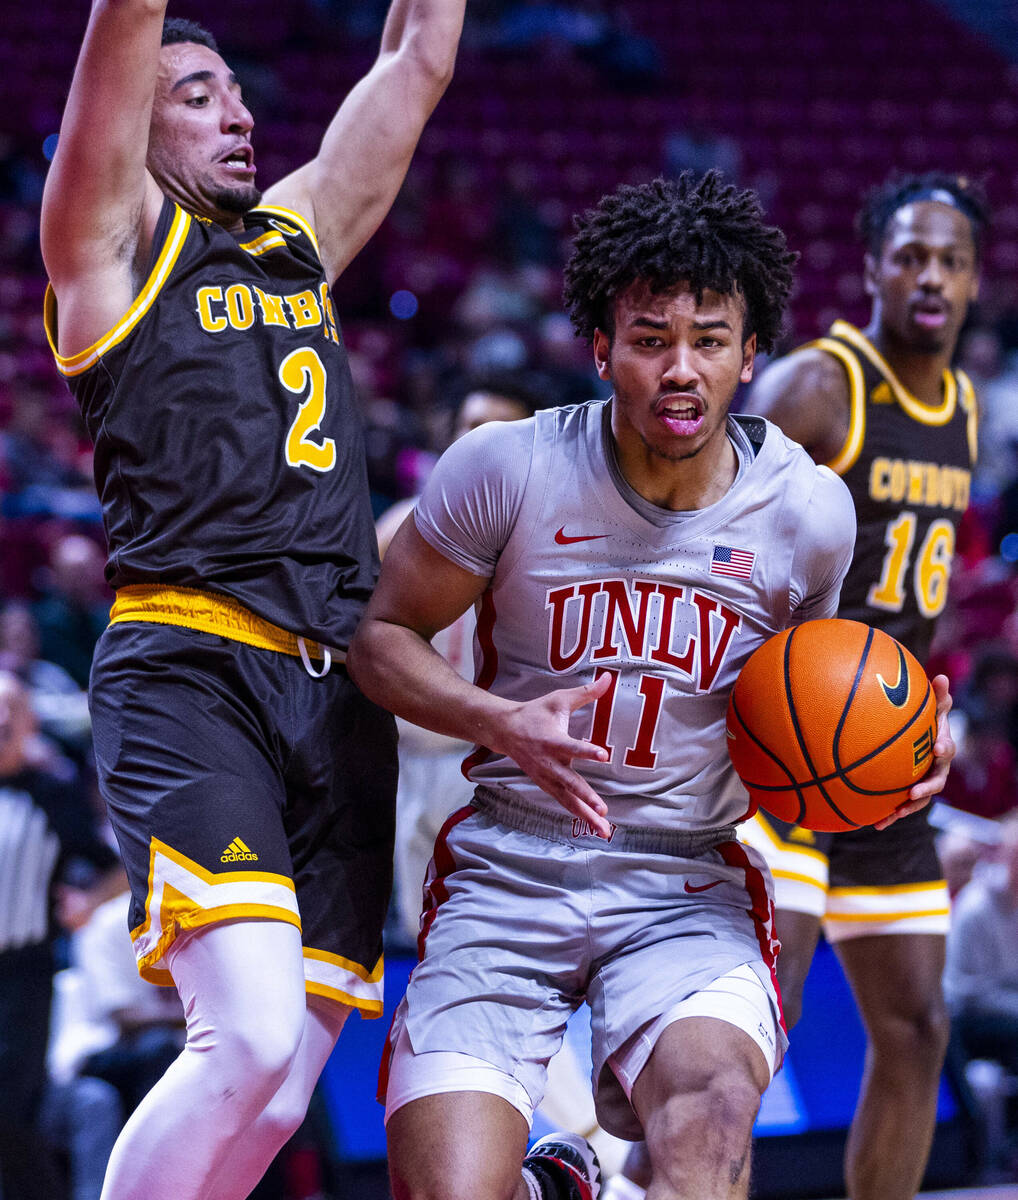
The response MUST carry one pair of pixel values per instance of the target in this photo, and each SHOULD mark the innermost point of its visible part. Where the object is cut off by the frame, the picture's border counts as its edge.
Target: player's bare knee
(712, 1125)
(915, 1039)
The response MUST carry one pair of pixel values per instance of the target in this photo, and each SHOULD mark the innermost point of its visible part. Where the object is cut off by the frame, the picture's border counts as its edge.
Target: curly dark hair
(705, 232)
(882, 202)
(179, 29)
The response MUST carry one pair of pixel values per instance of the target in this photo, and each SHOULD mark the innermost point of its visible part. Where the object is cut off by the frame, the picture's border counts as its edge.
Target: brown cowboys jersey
(228, 451)
(908, 501)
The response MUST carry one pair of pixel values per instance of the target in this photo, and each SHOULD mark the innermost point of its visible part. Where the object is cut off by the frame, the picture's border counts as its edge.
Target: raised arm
(348, 188)
(807, 396)
(391, 659)
(100, 204)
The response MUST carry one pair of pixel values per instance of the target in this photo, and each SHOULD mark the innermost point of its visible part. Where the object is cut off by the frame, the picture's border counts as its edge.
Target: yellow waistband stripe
(208, 612)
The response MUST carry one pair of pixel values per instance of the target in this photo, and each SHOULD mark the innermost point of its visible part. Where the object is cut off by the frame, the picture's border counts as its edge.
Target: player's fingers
(577, 697)
(580, 805)
(575, 748)
(903, 810)
(942, 691)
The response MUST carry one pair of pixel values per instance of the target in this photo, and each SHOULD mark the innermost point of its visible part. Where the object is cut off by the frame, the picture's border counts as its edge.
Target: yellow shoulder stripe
(267, 241)
(924, 413)
(76, 363)
(850, 451)
(967, 398)
(287, 214)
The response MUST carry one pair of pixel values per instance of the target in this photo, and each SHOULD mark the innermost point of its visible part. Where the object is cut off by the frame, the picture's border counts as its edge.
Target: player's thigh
(798, 933)
(458, 1145)
(896, 981)
(188, 775)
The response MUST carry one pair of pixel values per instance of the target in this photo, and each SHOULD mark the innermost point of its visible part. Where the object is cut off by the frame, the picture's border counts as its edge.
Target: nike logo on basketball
(702, 887)
(898, 695)
(563, 539)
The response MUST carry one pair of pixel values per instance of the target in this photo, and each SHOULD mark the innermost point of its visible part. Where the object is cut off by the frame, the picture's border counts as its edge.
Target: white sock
(533, 1189)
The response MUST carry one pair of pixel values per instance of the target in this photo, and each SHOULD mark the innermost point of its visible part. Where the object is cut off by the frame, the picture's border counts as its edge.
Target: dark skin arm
(807, 396)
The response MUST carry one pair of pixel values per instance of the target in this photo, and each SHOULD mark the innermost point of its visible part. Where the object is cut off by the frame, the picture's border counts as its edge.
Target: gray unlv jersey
(586, 577)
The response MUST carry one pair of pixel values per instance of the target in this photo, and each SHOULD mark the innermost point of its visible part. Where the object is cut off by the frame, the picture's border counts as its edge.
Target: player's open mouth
(682, 416)
(930, 315)
(240, 159)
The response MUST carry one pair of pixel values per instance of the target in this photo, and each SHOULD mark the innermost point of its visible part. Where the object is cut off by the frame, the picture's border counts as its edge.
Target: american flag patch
(737, 564)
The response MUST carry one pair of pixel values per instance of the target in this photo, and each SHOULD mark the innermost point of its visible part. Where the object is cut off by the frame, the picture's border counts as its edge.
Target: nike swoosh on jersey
(702, 887)
(898, 694)
(563, 539)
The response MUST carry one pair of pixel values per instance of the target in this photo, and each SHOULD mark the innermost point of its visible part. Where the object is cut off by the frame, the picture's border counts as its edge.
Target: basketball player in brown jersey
(250, 783)
(882, 407)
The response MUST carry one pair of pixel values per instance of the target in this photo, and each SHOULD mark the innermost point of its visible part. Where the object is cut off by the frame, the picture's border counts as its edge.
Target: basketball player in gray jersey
(625, 558)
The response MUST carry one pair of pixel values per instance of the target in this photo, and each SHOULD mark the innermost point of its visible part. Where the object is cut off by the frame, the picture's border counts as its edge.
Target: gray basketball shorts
(528, 915)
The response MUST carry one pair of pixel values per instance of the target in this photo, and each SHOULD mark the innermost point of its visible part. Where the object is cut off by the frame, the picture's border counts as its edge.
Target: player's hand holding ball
(833, 725)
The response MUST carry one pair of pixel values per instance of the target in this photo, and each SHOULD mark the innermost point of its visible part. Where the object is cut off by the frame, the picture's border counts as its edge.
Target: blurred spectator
(959, 854)
(75, 606)
(46, 835)
(60, 705)
(981, 975)
(138, 1028)
(984, 774)
(989, 700)
(995, 377)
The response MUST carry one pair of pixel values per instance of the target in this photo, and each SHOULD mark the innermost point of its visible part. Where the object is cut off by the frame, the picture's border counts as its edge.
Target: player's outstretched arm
(807, 396)
(932, 783)
(348, 188)
(391, 660)
(99, 199)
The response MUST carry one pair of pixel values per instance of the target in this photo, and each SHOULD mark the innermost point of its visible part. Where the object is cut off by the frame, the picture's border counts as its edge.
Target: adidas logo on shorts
(236, 851)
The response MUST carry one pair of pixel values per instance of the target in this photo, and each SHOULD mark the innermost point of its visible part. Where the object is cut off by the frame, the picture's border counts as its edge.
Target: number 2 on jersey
(932, 566)
(302, 371)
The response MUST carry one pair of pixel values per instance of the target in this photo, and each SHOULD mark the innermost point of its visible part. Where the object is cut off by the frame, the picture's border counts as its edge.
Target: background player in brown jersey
(883, 408)
(192, 319)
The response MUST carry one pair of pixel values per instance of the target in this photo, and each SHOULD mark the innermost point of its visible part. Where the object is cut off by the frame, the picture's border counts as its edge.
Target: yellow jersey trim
(287, 214)
(923, 413)
(197, 917)
(348, 964)
(967, 398)
(75, 364)
(267, 241)
(368, 1008)
(208, 612)
(899, 889)
(794, 878)
(760, 822)
(853, 444)
(907, 915)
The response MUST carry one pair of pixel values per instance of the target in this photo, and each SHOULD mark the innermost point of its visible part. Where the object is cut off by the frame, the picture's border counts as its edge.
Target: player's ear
(869, 275)
(602, 354)
(748, 358)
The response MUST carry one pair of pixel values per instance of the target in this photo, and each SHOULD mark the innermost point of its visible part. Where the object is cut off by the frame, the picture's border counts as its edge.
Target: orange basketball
(830, 724)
